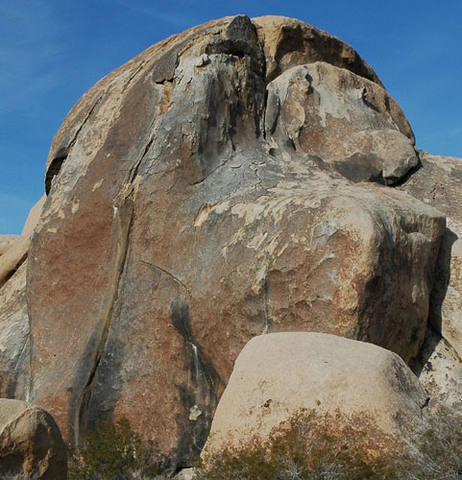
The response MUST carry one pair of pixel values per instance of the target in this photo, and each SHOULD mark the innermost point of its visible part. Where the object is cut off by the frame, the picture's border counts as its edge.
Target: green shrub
(113, 452)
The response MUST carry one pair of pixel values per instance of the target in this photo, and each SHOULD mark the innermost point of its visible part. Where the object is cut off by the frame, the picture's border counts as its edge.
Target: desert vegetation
(113, 451)
(309, 446)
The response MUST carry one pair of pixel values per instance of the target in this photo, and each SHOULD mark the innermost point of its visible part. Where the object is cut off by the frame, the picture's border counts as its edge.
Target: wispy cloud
(28, 50)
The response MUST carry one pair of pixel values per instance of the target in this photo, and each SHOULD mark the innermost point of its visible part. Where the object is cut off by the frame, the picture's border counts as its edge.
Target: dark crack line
(407, 176)
(14, 269)
(133, 75)
(267, 307)
(171, 275)
(134, 171)
(84, 121)
(121, 246)
(209, 174)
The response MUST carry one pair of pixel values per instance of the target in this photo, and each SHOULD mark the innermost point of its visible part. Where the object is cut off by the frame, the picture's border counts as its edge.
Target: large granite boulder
(177, 222)
(31, 446)
(276, 376)
(233, 180)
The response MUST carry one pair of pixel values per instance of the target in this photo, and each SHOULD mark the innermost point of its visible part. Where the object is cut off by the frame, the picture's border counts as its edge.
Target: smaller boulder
(6, 241)
(279, 374)
(31, 446)
(14, 248)
(11, 260)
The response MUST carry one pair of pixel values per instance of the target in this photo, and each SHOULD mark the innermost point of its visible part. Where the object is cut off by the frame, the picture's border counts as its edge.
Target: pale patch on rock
(99, 183)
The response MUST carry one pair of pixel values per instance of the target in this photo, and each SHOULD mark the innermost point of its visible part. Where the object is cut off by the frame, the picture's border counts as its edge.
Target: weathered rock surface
(14, 318)
(6, 241)
(181, 222)
(439, 183)
(347, 120)
(277, 375)
(288, 42)
(13, 257)
(14, 337)
(31, 447)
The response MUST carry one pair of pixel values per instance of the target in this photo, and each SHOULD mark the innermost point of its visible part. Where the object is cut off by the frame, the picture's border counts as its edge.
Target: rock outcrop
(280, 374)
(14, 337)
(240, 178)
(439, 183)
(14, 316)
(31, 446)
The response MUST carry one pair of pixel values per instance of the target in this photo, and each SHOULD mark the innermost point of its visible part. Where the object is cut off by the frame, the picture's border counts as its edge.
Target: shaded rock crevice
(78, 414)
(123, 209)
(63, 152)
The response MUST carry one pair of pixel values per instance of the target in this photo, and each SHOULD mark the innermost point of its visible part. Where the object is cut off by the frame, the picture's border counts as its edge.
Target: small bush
(113, 452)
(438, 447)
(313, 446)
(310, 446)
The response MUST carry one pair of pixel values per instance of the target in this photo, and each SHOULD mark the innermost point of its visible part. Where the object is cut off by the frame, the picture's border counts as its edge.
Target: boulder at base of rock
(31, 446)
(278, 374)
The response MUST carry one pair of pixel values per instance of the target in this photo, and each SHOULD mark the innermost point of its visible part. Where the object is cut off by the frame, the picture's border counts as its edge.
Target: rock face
(14, 316)
(236, 179)
(31, 447)
(14, 337)
(6, 241)
(348, 121)
(439, 183)
(279, 374)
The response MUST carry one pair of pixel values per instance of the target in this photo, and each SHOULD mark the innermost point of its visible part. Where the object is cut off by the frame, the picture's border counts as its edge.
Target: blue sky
(52, 51)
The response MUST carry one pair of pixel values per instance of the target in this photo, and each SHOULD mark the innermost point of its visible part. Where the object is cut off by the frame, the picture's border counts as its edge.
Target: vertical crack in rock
(266, 305)
(122, 225)
(78, 414)
(441, 279)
